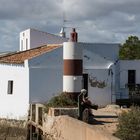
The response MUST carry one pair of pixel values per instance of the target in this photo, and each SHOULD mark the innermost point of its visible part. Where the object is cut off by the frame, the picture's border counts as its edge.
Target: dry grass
(12, 130)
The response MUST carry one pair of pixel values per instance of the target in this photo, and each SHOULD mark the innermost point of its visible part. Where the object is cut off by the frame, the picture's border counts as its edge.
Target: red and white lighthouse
(73, 66)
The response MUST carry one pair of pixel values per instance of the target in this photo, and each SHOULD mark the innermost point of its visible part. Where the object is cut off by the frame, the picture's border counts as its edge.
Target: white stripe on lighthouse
(72, 83)
(72, 50)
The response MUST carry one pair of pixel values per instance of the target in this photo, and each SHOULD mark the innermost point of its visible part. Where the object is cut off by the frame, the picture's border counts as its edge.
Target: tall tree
(130, 49)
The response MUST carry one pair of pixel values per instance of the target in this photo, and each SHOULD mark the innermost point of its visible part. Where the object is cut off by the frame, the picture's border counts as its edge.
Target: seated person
(86, 103)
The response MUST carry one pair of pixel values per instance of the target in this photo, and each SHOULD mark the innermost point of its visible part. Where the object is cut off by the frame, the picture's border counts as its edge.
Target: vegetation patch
(129, 125)
(12, 129)
(130, 50)
(61, 100)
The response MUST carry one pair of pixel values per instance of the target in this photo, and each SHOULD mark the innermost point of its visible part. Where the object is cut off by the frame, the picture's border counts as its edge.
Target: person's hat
(84, 91)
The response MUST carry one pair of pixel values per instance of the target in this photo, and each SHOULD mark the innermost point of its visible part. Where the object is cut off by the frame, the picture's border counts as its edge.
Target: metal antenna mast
(62, 32)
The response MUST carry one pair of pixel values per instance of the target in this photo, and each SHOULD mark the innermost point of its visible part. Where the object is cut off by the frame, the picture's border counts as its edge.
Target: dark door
(85, 82)
(132, 77)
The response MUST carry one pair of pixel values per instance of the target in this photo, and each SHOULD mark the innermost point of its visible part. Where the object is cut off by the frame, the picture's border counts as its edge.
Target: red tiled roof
(19, 57)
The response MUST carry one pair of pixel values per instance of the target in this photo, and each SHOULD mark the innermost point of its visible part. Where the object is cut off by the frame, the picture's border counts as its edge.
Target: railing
(130, 97)
(134, 89)
(35, 122)
(120, 95)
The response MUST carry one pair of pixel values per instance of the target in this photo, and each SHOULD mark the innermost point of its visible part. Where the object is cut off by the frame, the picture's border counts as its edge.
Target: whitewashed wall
(24, 40)
(100, 96)
(46, 72)
(97, 64)
(46, 76)
(14, 106)
(32, 38)
(126, 65)
(122, 76)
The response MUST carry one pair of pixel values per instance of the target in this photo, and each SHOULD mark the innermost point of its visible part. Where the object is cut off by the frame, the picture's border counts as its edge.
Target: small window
(22, 45)
(10, 87)
(26, 44)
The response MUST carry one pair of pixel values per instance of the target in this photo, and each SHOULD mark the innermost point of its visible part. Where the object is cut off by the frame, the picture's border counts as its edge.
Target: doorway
(85, 83)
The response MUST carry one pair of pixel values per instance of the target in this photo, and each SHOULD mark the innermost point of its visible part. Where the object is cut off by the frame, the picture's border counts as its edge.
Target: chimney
(73, 35)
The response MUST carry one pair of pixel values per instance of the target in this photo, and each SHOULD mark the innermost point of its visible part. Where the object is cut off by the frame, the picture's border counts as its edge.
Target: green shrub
(61, 100)
(129, 125)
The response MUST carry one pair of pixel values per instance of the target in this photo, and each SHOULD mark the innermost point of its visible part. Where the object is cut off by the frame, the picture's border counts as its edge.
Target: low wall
(72, 112)
(67, 128)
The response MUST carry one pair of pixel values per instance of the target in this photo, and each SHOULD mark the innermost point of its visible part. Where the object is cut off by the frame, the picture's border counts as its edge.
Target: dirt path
(107, 118)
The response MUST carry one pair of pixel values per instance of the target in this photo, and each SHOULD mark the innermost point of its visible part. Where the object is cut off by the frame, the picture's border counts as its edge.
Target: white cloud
(96, 21)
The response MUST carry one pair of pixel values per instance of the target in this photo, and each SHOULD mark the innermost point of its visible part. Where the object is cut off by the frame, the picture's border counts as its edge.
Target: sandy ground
(107, 118)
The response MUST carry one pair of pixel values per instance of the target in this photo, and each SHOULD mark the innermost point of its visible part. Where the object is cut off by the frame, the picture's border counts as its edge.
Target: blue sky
(96, 20)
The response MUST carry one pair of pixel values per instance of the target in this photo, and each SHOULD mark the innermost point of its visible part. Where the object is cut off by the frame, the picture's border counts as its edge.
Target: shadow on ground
(101, 120)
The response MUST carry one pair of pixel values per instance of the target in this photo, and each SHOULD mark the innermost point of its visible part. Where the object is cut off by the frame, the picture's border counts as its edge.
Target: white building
(32, 38)
(128, 81)
(35, 74)
(25, 80)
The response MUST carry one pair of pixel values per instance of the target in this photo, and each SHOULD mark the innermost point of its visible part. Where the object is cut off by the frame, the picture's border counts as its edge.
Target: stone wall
(72, 112)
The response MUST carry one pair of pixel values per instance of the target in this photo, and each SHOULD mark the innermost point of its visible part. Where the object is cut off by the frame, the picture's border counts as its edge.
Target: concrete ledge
(67, 128)
(72, 112)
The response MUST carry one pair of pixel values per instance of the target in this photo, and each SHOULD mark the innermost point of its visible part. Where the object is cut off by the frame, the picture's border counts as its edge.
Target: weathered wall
(100, 95)
(67, 128)
(98, 61)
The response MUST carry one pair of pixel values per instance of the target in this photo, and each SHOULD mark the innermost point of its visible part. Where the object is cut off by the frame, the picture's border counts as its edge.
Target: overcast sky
(105, 21)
